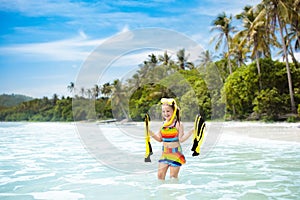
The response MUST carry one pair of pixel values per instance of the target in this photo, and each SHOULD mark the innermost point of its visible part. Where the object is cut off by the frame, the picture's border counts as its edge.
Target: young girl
(171, 134)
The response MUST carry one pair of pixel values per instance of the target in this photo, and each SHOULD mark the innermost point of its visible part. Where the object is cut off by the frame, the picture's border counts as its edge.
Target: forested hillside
(54, 109)
(8, 100)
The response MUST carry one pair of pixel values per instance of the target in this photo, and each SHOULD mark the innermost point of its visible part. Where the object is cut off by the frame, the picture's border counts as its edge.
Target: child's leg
(162, 171)
(174, 171)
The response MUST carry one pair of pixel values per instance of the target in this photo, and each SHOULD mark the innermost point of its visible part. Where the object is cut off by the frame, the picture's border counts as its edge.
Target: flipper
(147, 140)
(198, 135)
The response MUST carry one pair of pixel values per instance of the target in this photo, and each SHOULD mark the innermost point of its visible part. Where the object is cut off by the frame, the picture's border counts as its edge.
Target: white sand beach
(274, 131)
(282, 131)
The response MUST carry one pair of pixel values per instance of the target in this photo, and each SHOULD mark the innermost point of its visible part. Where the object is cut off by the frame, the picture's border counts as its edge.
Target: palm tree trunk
(293, 56)
(290, 49)
(228, 49)
(257, 64)
(258, 70)
(233, 112)
(289, 76)
(125, 113)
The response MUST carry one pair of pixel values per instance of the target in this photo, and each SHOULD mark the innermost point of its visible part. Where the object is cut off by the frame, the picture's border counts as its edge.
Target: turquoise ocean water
(49, 161)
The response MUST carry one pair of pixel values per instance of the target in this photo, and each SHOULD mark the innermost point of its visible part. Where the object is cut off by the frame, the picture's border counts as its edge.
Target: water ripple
(48, 161)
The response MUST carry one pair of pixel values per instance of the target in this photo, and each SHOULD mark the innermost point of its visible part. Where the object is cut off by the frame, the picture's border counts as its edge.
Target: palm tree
(223, 25)
(82, 91)
(182, 58)
(143, 71)
(150, 65)
(255, 34)
(276, 11)
(189, 65)
(106, 89)
(239, 50)
(206, 58)
(96, 91)
(152, 61)
(293, 33)
(165, 59)
(54, 99)
(89, 93)
(119, 97)
(289, 48)
(71, 87)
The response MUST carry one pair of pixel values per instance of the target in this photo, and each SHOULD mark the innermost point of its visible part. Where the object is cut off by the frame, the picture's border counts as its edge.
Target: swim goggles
(169, 101)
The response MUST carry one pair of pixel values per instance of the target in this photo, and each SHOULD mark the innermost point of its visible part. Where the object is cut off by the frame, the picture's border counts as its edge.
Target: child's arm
(182, 136)
(157, 136)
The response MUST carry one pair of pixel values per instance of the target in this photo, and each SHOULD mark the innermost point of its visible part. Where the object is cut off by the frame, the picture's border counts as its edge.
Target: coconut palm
(182, 59)
(293, 33)
(143, 71)
(189, 65)
(206, 58)
(289, 48)
(96, 91)
(152, 60)
(106, 89)
(277, 12)
(82, 91)
(165, 59)
(119, 97)
(71, 87)
(239, 50)
(255, 35)
(222, 24)
(89, 93)
(150, 65)
(54, 99)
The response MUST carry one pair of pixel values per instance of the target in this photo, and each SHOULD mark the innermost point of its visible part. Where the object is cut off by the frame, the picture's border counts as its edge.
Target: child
(171, 134)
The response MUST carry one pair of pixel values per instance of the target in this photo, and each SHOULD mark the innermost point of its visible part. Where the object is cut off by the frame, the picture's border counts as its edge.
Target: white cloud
(82, 34)
(296, 54)
(39, 90)
(125, 29)
(74, 49)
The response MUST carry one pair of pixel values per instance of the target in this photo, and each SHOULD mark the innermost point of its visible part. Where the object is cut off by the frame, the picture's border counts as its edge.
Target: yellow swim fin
(147, 140)
(199, 127)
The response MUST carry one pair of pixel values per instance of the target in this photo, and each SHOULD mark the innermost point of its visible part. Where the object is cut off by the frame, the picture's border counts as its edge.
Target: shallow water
(50, 161)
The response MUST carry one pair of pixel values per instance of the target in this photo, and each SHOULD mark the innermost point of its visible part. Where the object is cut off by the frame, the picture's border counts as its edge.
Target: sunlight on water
(49, 161)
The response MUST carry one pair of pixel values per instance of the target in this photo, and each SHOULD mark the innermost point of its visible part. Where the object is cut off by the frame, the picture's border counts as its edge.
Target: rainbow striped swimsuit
(171, 156)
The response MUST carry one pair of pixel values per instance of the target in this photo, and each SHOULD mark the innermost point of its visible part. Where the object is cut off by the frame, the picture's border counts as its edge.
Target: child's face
(167, 112)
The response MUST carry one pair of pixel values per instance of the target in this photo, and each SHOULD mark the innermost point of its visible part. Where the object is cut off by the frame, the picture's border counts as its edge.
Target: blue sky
(43, 44)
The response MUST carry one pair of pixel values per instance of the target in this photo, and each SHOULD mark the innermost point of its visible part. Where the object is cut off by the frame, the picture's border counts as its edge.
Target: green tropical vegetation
(13, 99)
(243, 82)
(53, 109)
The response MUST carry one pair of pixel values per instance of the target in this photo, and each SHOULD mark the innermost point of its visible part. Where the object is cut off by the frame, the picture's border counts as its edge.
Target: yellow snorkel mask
(170, 102)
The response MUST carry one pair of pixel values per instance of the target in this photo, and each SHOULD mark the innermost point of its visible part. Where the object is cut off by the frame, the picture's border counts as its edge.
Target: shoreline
(279, 131)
